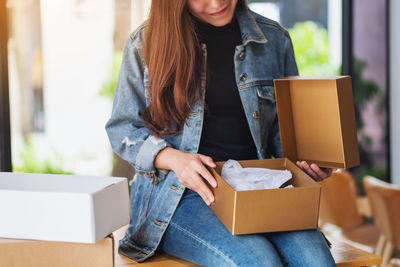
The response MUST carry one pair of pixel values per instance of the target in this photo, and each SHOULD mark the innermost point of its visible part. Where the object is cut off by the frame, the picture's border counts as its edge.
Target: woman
(196, 86)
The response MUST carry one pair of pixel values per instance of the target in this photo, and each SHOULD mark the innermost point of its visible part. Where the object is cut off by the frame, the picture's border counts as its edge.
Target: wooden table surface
(344, 255)
(347, 255)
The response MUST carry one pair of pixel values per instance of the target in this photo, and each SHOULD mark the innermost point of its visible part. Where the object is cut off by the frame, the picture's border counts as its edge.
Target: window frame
(347, 66)
(5, 132)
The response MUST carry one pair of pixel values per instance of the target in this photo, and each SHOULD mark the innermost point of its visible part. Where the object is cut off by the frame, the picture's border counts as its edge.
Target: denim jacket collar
(249, 29)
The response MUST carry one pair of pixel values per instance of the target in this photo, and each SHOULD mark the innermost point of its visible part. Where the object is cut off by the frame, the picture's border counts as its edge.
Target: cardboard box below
(317, 120)
(22, 253)
(268, 210)
(63, 208)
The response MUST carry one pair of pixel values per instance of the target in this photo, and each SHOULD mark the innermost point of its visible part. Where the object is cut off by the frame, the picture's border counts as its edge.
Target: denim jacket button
(243, 77)
(242, 55)
(159, 223)
(256, 115)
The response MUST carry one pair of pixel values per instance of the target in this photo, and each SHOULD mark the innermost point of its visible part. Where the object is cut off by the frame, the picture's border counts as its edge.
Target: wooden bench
(347, 255)
(344, 255)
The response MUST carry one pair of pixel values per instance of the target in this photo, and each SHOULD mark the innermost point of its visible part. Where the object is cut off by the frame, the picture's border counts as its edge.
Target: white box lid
(62, 207)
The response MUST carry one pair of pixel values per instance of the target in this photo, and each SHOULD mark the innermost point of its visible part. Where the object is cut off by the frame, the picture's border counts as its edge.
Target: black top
(226, 134)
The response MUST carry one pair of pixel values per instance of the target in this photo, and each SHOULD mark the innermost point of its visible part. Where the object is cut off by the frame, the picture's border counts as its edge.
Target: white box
(64, 208)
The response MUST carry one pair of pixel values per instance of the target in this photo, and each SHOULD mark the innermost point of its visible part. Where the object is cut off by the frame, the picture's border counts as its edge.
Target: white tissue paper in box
(242, 179)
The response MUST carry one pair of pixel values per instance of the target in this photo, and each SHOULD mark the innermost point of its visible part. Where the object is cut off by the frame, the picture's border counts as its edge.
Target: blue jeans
(196, 234)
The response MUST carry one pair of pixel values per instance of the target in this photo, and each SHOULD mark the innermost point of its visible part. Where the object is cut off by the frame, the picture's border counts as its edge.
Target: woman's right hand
(189, 168)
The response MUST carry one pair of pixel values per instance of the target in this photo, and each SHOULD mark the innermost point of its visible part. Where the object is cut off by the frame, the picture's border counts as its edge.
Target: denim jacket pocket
(161, 174)
(267, 109)
(266, 92)
(267, 101)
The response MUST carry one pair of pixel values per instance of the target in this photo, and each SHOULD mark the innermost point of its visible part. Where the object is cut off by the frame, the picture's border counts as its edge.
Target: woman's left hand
(317, 173)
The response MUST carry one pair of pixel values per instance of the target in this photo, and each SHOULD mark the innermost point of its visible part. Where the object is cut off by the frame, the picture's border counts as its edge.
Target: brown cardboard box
(317, 124)
(317, 120)
(32, 253)
(268, 210)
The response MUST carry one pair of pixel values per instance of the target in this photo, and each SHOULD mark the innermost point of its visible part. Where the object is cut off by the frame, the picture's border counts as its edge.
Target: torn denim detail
(128, 142)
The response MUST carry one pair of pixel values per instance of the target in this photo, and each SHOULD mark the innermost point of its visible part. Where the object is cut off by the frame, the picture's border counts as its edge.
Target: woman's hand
(317, 173)
(189, 168)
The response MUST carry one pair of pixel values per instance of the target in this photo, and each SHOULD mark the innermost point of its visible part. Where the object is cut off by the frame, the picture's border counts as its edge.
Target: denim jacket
(266, 53)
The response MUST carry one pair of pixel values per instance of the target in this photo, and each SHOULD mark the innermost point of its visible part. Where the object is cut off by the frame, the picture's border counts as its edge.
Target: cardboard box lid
(317, 120)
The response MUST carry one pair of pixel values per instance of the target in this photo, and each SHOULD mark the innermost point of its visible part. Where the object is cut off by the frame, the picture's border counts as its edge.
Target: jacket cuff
(148, 152)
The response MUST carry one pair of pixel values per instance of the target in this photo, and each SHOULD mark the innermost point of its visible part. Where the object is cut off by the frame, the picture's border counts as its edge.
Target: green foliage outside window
(30, 162)
(108, 87)
(311, 48)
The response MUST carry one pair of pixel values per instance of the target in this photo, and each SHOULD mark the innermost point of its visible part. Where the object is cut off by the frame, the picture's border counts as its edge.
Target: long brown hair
(172, 53)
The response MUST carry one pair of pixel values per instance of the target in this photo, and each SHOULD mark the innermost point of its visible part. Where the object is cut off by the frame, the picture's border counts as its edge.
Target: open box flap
(317, 120)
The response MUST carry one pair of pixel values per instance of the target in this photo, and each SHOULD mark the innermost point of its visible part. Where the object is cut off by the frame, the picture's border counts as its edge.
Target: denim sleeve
(290, 70)
(126, 130)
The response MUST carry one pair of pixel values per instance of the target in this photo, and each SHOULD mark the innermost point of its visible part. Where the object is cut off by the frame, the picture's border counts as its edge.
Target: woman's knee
(227, 250)
(251, 250)
(303, 248)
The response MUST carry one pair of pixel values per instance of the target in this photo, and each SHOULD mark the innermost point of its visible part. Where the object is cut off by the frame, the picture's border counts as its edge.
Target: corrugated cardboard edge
(319, 207)
(338, 96)
(285, 119)
(288, 161)
(347, 120)
(215, 206)
(234, 213)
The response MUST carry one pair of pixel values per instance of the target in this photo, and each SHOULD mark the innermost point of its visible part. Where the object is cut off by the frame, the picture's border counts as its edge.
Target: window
(315, 28)
(63, 57)
(5, 149)
(370, 83)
